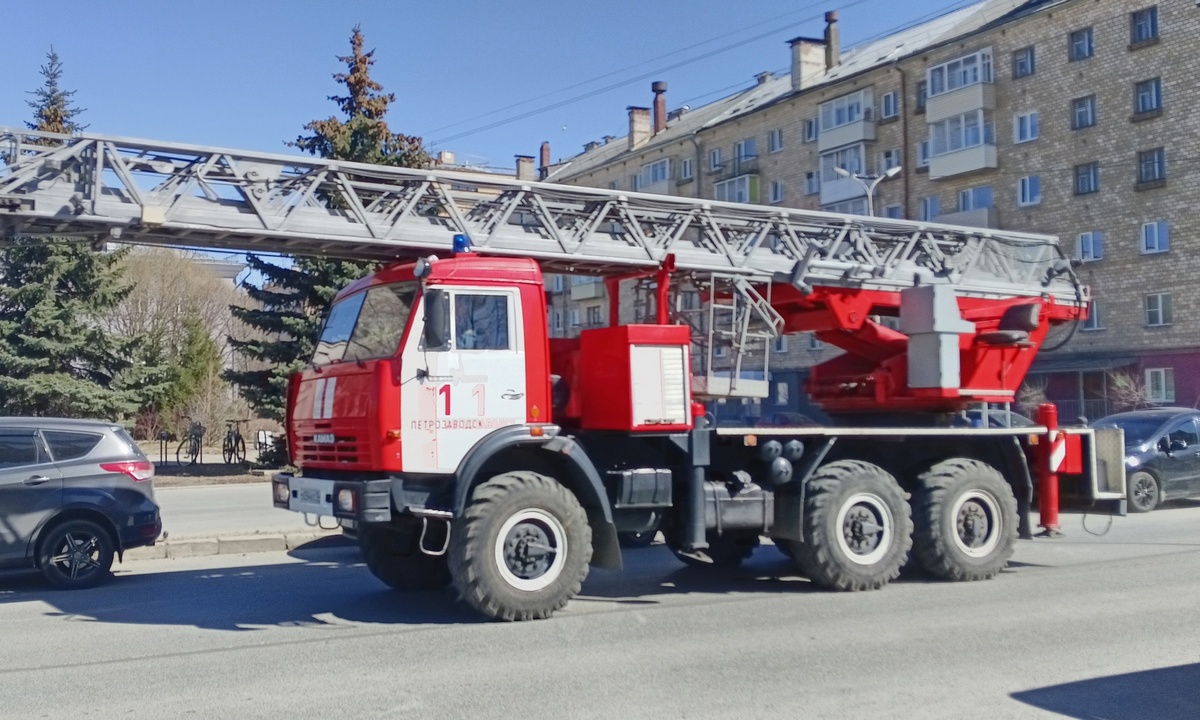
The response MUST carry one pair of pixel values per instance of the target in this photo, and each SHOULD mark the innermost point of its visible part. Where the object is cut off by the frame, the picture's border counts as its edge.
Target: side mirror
(437, 320)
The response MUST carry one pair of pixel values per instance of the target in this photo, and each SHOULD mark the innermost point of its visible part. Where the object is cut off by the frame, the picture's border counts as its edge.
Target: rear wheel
(857, 527)
(239, 449)
(966, 520)
(1143, 492)
(76, 554)
(228, 452)
(393, 555)
(521, 549)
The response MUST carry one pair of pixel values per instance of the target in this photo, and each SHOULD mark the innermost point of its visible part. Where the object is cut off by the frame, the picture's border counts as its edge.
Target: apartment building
(1067, 117)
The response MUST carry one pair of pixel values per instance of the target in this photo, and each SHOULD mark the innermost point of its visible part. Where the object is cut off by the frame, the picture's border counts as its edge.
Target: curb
(227, 545)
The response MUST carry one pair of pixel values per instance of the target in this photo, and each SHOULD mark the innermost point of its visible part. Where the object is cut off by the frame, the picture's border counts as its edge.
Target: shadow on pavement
(1171, 693)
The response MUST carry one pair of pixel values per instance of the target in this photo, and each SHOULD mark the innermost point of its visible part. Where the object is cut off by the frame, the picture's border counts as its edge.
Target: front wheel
(239, 450)
(228, 451)
(1143, 492)
(966, 520)
(521, 549)
(857, 527)
(76, 554)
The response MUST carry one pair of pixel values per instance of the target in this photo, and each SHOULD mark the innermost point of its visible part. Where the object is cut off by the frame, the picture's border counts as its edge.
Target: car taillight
(139, 470)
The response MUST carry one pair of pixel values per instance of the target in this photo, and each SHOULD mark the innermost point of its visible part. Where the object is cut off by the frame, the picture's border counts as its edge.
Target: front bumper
(365, 501)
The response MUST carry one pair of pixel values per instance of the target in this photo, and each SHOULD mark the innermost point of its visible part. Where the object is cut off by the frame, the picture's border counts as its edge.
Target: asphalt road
(1090, 627)
(212, 510)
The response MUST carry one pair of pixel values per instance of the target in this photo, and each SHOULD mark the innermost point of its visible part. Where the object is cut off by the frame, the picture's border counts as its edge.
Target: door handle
(512, 395)
(36, 480)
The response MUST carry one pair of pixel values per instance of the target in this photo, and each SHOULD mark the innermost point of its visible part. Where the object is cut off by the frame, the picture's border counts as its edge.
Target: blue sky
(250, 74)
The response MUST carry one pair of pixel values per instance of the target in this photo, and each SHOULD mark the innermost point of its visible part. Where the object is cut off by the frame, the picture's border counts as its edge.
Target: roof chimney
(660, 105)
(590, 145)
(445, 157)
(808, 62)
(639, 126)
(544, 166)
(763, 77)
(524, 167)
(833, 49)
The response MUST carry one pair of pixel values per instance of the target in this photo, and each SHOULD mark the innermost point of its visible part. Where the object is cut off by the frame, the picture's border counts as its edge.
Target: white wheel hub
(978, 523)
(865, 528)
(531, 549)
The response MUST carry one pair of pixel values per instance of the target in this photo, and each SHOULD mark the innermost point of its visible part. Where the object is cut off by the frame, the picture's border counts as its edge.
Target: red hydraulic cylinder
(1051, 454)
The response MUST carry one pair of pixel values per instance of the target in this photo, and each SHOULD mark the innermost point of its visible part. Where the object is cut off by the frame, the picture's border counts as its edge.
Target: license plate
(309, 496)
(324, 438)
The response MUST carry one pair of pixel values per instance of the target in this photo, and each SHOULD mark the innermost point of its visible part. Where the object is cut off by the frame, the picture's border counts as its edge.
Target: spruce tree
(293, 299)
(56, 357)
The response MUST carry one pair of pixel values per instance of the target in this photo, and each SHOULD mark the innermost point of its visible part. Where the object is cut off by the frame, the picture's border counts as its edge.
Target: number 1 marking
(478, 392)
(445, 392)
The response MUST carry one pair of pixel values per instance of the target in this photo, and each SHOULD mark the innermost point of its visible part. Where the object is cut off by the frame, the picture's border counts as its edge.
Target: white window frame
(1089, 246)
(686, 171)
(812, 182)
(889, 159)
(714, 159)
(780, 345)
(1087, 104)
(1147, 96)
(595, 316)
(960, 72)
(1029, 190)
(980, 197)
(1025, 127)
(1092, 172)
(931, 208)
(745, 150)
(720, 351)
(781, 392)
(775, 140)
(811, 129)
(776, 191)
(850, 157)
(923, 153)
(1159, 312)
(735, 190)
(1143, 25)
(1156, 237)
(889, 105)
(557, 321)
(1020, 58)
(895, 212)
(850, 108)
(1095, 319)
(653, 173)
(1160, 385)
(959, 132)
(1076, 50)
(1155, 158)
(854, 206)
(574, 317)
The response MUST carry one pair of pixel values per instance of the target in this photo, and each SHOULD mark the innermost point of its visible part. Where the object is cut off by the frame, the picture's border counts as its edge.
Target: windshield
(1138, 430)
(366, 325)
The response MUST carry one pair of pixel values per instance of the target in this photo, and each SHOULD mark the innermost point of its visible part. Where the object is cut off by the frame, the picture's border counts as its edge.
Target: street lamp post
(868, 182)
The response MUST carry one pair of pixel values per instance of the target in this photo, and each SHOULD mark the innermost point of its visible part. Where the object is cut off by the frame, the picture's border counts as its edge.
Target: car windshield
(366, 325)
(1138, 429)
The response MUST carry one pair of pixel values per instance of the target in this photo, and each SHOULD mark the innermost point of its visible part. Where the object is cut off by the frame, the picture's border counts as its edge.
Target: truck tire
(727, 550)
(966, 520)
(521, 549)
(393, 556)
(857, 527)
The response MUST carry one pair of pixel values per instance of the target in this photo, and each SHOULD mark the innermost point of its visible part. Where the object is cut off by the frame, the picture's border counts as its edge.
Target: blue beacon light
(462, 244)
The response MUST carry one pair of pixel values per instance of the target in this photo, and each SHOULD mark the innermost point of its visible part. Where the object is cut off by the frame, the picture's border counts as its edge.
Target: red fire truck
(470, 447)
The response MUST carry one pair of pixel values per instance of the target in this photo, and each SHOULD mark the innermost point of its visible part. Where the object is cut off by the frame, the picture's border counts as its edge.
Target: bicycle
(191, 446)
(233, 448)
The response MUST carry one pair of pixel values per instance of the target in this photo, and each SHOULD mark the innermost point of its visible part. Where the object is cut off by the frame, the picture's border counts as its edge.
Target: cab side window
(1185, 433)
(18, 448)
(481, 322)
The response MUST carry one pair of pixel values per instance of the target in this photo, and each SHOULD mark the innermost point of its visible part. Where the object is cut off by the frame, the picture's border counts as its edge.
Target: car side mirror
(437, 320)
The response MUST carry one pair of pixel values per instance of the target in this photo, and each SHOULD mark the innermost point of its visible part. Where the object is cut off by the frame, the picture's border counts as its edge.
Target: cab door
(472, 385)
(1181, 466)
(30, 491)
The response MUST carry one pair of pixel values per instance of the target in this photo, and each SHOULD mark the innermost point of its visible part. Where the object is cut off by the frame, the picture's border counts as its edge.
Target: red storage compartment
(636, 377)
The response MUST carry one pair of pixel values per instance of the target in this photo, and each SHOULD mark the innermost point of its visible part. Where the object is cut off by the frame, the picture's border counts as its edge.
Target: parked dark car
(1162, 454)
(996, 418)
(73, 494)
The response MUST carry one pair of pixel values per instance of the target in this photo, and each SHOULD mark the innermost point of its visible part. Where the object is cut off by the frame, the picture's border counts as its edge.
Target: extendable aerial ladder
(759, 258)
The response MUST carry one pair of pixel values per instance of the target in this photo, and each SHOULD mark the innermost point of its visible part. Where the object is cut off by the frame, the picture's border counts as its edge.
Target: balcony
(848, 134)
(735, 167)
(840, 190)
(979, 157)
(980, 96)
(981, 218)
(587, 291)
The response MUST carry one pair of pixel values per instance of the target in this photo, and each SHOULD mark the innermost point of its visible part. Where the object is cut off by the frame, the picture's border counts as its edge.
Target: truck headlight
(345, 500)
(281, 491)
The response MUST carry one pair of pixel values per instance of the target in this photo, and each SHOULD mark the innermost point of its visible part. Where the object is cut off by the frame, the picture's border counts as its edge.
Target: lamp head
(892, 171)
(843, 171)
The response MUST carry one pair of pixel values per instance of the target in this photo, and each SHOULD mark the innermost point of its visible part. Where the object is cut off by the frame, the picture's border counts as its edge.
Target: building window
(1156, 237)
(961, 72)
(1143, 25)
(810, 130)
(1029, 190)
(979, 198)
(889, 105)
(1087, 178)
(1094, 319)
(1158, 309)
(1023, 63)
(720, 351)
(1091, 246)
(775, 140)
(922, 95)
(1152, 166)
(846, 109)
(781, 393)
(815, 344)
(961, 131)
(1079, 45)
(812, 183)
(745, 149)
(858, 206)
(1083, 112)
(780, 345)
(593, 315)
(923, 154)
(848, 158)
(685, 169)
(613, 185)
(1025, 127)
(741, 189)
(891, 159)
(1147, 96)
(557, 325)
(654, 173)
(1160, 385)
(575, 317)
(931, 207)
(895, 212)
(714, 159)
(776, 191)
